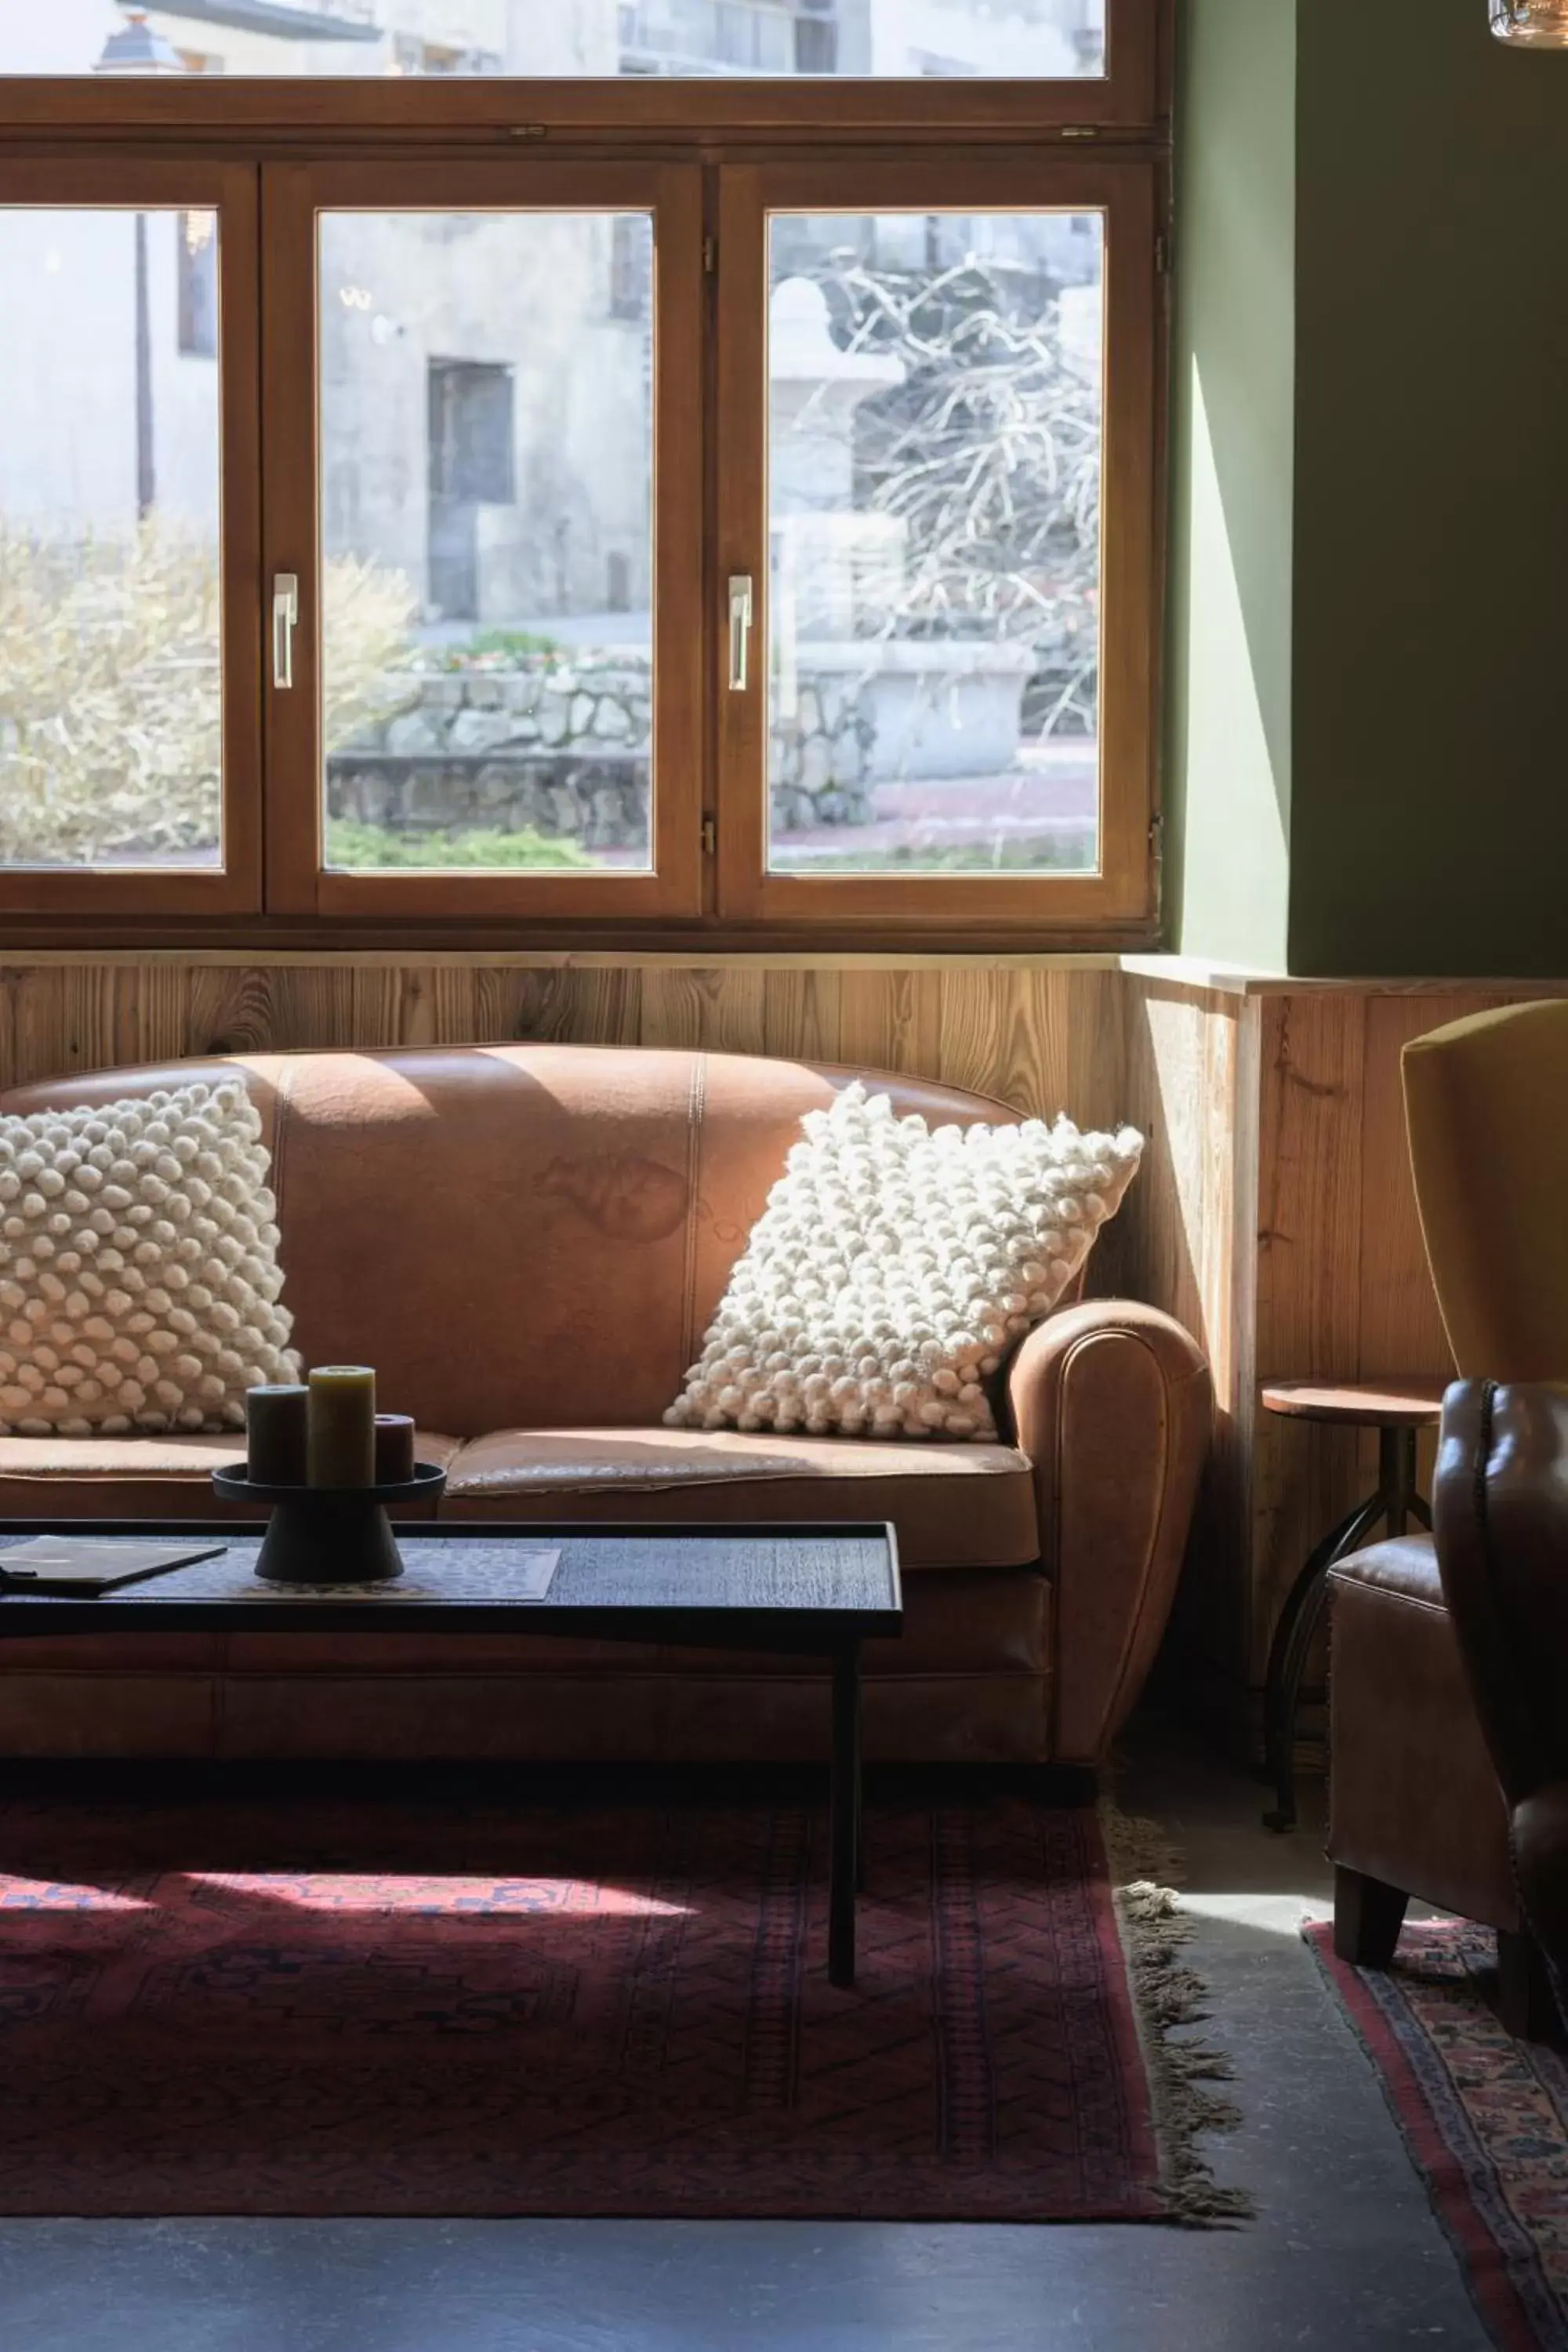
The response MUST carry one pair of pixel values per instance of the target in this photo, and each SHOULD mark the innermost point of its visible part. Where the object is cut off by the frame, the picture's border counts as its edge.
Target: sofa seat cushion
(149, 1478)
(953, 1505)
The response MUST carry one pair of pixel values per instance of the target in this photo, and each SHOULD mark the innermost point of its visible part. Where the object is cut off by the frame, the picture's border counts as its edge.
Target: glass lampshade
(1531, 24)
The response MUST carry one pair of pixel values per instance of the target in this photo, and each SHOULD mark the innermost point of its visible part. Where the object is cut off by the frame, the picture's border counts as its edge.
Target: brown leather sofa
(528, 1242)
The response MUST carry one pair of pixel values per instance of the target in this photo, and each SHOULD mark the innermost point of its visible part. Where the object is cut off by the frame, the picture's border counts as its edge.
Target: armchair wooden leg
(1526, 2004)
(1368, 1916)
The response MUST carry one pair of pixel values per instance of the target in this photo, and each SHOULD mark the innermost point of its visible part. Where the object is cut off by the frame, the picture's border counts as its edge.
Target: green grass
(378, 847)
(516, 644)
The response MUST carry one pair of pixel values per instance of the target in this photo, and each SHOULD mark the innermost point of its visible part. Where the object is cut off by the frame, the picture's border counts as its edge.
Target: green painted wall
(1232, 395)
(1431, 826)
(1369, 657)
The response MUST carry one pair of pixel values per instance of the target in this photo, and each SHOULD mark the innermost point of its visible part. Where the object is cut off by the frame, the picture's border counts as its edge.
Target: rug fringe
(1145, 1869)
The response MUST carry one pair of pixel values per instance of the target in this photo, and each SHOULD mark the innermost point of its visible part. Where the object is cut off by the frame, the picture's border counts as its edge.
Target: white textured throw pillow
(894, 1266)
(139, 1277)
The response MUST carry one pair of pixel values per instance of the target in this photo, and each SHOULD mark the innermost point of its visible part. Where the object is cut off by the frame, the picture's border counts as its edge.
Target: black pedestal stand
(330, 1535)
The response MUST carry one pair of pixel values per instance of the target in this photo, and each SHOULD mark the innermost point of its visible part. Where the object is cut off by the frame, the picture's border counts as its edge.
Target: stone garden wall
(559, 751)
(817, 761)
(564, 749)
(565, 752)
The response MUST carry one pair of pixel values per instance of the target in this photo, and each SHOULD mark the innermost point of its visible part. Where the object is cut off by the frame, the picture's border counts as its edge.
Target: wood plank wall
(1032, 1035)
(1273, 1215)
(1041, 1038)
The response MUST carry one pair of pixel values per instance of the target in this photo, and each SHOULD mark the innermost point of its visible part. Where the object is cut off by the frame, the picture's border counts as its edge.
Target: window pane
(933, 499)
(487, 474)
(111, 661)
(1007, 39)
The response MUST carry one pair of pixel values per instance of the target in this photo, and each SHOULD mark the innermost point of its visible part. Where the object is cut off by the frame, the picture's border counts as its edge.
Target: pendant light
(136, 49)
(1531, 24)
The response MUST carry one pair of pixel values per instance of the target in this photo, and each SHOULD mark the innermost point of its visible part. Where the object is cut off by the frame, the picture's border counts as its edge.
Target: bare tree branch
(988, 454)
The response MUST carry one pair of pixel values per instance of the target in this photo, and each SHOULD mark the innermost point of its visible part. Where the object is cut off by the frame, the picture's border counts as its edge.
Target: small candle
(340, 1449)
(275, 1435)
(394, 1449)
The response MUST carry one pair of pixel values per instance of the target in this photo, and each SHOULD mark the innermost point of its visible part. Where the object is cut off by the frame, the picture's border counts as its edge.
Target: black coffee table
(800, 1590)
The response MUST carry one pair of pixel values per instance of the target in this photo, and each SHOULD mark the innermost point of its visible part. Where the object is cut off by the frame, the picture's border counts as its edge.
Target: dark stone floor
(1342, 2257)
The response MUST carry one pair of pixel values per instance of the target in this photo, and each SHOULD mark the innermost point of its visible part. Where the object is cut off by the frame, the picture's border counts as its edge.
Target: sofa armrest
(1112, 1402)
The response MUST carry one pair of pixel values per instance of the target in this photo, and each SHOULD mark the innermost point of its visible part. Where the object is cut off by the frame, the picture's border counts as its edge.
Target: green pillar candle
(394, 1449)
(339, 1448)
(275, 1435)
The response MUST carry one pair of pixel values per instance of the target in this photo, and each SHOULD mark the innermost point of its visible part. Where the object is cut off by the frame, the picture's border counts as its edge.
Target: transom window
(884, 39)
(415, 506)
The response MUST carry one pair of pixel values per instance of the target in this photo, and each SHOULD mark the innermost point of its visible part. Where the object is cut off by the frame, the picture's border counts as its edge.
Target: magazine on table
(93, 1564)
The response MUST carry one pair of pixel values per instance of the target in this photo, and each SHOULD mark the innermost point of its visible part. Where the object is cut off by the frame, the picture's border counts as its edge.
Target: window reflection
(933, 498)
(1005, 39)
(110, 671)
(486, 503)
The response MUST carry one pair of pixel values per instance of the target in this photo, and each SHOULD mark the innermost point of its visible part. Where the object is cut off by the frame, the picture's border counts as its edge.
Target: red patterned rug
(430, 2006)
(1485, 2119)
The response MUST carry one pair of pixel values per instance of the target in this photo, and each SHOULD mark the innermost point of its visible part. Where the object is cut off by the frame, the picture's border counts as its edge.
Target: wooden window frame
(293, 195)
(265, 150)
(229, 189)
(1119, 890)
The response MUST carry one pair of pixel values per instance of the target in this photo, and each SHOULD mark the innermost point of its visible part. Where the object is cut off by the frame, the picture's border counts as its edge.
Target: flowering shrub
(110, 678)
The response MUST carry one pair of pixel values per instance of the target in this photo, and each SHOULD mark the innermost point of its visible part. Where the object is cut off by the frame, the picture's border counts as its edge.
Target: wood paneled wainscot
(1042, 1035)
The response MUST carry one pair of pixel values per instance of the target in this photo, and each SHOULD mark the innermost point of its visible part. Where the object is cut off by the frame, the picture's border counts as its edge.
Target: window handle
(285, 616)
(740, 629)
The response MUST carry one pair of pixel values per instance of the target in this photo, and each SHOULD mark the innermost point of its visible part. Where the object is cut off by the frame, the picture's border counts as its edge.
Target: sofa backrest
(516, 1235)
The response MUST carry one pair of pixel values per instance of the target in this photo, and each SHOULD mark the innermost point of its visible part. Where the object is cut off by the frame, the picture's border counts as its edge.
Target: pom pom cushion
(140, 1287)
(894, 1266)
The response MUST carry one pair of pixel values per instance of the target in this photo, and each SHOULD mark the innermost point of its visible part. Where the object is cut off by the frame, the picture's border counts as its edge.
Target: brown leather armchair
(1444, 1651)
(1501, 1522)
(1414, 1804)
(528, 1242)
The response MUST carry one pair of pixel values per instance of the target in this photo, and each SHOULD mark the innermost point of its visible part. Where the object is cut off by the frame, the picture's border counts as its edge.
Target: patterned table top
(839, 1579)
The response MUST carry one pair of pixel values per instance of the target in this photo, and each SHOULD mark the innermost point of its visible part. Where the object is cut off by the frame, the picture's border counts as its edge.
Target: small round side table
(1398, 1411)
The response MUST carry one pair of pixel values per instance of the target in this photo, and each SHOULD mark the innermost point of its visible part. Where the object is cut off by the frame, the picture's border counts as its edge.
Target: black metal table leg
(1396, 1477)
(1396, 1502)
(1287, 1656)
(844, 1816)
